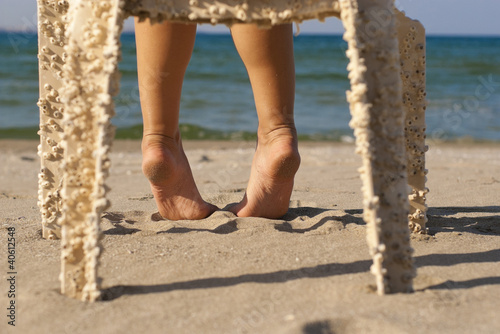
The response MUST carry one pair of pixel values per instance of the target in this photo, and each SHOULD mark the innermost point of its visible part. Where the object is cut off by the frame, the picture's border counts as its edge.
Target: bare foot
(274, 165)
(166, 166)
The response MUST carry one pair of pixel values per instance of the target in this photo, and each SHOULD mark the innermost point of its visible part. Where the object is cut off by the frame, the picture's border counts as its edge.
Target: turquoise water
(463, 88)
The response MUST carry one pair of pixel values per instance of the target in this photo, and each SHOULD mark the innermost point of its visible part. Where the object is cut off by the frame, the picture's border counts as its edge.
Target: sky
(440, 17)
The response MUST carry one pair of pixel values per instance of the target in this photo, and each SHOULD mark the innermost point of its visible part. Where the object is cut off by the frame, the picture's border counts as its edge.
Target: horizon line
(315, 33)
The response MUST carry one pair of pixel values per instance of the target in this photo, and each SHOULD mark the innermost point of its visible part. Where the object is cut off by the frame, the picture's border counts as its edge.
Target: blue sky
(440, 17)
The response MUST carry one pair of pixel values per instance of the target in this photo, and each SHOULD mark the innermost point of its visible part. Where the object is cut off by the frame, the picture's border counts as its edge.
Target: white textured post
(51, 57)
(411, 35)
(90, 80)
(378, 118)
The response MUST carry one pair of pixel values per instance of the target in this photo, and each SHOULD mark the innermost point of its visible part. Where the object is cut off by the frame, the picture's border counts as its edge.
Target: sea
(463, 89)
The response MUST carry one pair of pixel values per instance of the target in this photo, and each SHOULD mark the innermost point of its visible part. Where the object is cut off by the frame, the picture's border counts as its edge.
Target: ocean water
(463, 84)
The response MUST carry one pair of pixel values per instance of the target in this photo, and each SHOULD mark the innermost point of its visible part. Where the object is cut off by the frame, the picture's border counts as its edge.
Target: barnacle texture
(411, 37)
(262, 12)
(90, 80)
(378, 121)
(51, 57)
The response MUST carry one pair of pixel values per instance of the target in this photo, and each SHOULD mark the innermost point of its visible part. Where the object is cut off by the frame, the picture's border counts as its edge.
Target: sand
(305, 273)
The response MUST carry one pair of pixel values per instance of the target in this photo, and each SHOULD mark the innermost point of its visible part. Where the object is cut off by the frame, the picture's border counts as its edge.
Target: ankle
(281, 148)
(160, 155)
(152, 141)
(280, 133)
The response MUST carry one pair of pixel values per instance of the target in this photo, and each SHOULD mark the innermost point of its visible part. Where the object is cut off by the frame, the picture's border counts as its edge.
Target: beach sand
(306, 273)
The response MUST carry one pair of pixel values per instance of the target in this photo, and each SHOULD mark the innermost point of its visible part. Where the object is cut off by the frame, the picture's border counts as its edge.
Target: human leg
(163, 54)
(268, 58)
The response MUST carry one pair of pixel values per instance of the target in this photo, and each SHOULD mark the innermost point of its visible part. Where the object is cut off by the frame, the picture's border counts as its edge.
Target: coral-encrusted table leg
(411, 35)
(378, 118)
(90, 80)
(51, 57)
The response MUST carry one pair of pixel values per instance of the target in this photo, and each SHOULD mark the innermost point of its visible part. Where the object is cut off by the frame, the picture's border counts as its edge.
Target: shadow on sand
(320, 271)
(439, 221)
